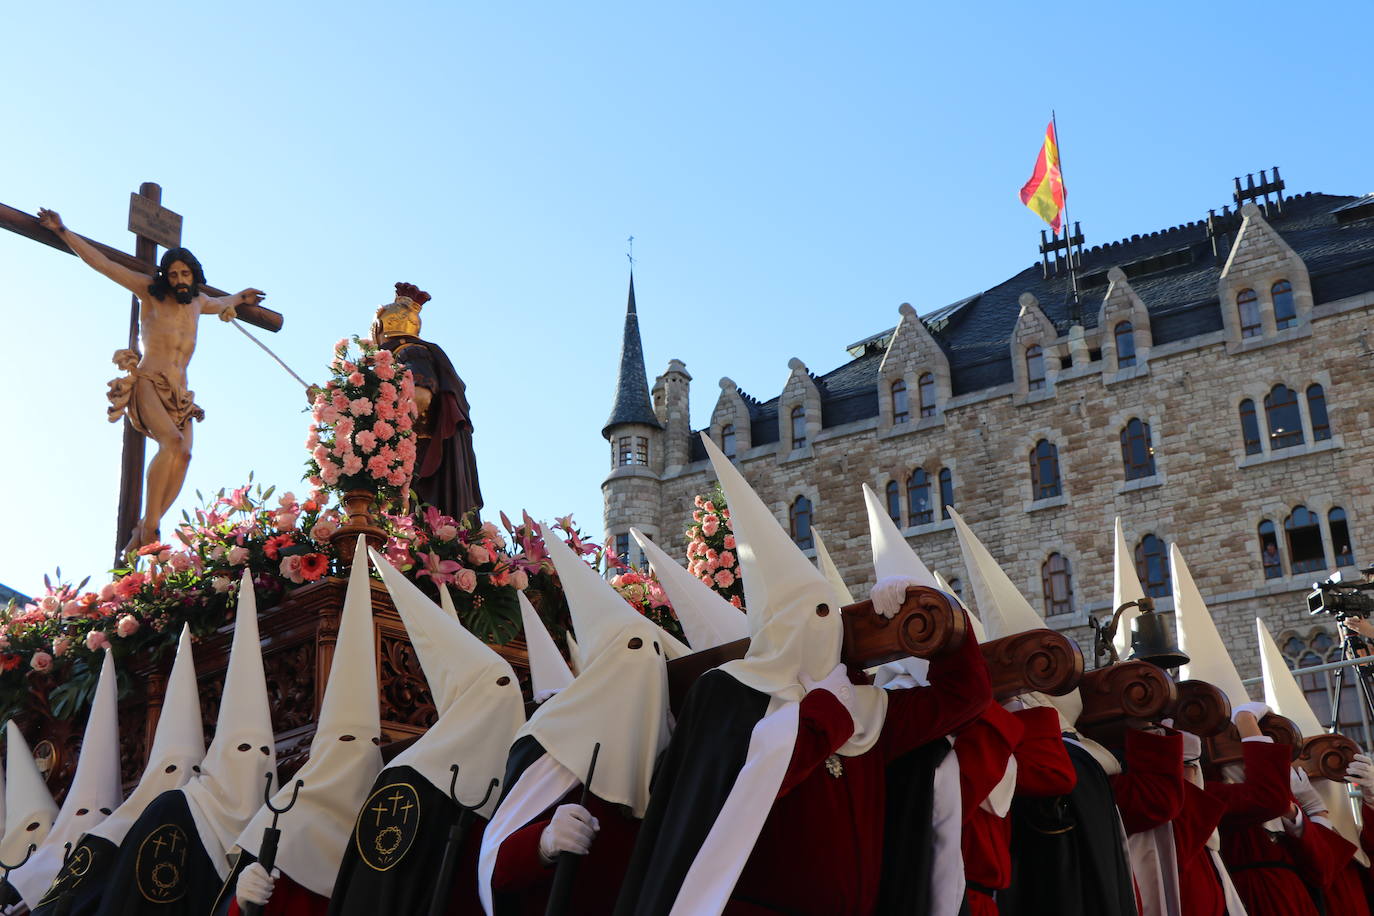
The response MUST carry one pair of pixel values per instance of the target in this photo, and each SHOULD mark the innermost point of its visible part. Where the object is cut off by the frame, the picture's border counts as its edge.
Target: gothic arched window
(894, 503)
(1270, 558)
(1249, 428)
(1152, 566)
(1044, 463)
(1285, 312)
(1340, 537)
(1305, 550)
(1125, 344)
(1058, 585)
(799, 522)
(918, 498)
(946, 491)
(1281, 413)
(1316, 412)
(1137, 452)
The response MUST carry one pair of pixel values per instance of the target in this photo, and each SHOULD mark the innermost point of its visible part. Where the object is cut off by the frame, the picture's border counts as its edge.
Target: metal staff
(568, 861)
(244, 331)
(439, 905)
(5, 876)
(267, 852)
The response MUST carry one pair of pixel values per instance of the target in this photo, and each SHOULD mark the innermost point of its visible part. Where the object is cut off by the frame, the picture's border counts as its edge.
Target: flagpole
(1068, 224)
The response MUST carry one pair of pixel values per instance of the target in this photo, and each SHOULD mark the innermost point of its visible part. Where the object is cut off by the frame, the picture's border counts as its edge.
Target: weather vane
(631, 253)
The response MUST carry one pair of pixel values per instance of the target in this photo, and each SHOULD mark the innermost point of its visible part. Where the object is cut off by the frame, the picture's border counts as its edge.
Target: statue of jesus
(153, 394)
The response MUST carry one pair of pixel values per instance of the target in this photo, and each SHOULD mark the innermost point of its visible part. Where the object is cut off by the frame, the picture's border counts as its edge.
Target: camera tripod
(1353, 645)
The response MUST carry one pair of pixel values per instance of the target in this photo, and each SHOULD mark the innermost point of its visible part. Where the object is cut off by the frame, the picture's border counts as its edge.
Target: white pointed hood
(344, 756)
(893, 558)
(1006, 612)
(228, 790)
(832, 572)
(619, 697)
(476, 696)
(782, 595)
(178, 746)
(549, 671)
(1198, 636)
(93, 796)
(1125, 587)
(29, 808)
(1284, 696)
(707, 619)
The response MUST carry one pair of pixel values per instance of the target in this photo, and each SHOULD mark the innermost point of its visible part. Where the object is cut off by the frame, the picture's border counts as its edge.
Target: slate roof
(1174, 271)
(632, 403)
(8, 594)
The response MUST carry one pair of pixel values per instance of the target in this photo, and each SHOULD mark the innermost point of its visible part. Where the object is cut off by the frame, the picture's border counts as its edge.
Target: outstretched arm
(132, 280)
(226, 307)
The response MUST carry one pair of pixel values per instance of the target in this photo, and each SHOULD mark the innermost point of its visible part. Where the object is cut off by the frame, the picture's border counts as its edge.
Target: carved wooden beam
(1225, 747)
(926, 626)
(1041, 660)
(1327, 756)
(1202, 709)
(1126, 690)
(27, 225)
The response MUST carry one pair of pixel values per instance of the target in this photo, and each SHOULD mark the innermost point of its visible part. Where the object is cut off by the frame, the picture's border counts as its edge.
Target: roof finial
(631, 253)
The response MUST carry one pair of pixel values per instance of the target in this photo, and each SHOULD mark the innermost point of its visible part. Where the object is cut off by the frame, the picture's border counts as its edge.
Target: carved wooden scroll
(1225, 747)
(1327, 756)
(926, 626)
(1202, 709)
(1037, 660)
(1126, 690)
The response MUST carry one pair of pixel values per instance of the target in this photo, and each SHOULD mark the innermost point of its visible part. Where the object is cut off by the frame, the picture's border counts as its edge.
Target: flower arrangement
(711, 547)
(361, 434)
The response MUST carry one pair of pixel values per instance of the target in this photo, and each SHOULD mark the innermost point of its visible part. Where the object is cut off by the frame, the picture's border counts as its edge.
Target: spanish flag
(1044, 193)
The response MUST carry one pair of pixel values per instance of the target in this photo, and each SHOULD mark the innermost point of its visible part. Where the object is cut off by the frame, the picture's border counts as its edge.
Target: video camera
(1343, 595)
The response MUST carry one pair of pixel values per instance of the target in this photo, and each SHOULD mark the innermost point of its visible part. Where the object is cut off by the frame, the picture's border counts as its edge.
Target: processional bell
(1152, 642)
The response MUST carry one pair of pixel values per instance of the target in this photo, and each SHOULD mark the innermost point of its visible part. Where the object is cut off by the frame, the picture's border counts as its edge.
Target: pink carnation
(339, 401)
(344, 428)
(383, 429)
(41, 662)
(387, 392)
(329, 474)
(734, 599)
(97, 640)
(320, 454)
(360, 407)
(710, 525)
(727, 559)
(181, 561)
(312, 439)
(466, 579)
(397, 478)
(330, 414)
(384, 371)
(356, 379)
(729, 542)
(377, 467)
(126, 626)
(725, 578)
(352, 464)
(366, 440)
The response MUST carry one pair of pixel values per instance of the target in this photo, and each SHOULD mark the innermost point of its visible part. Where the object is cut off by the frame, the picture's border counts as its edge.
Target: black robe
(696, 773)
(162, 866)
(446, 466)
(80, 884)
(392, 863)
(1067, 856)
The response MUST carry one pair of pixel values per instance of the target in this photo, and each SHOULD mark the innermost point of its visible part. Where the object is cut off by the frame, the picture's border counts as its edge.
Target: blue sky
(791, 174)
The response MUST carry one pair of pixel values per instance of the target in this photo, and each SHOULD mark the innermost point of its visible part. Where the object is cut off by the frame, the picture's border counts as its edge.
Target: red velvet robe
(1366, 875)
(289, 899)
(820, 850)
(1262, 797)
(1327, 862)
(521, 874)
(1043, 769)
(1263, 865)
(1149, 791)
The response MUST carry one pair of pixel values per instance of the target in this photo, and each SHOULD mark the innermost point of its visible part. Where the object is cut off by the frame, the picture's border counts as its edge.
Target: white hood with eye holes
(29, 808)
(178, 745)
(227, 791)
(476, 695)
(344, 755)
(620, 698)
(93, 796)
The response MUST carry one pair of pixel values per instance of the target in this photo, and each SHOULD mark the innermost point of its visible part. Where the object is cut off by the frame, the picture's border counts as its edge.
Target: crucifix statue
(153, 394)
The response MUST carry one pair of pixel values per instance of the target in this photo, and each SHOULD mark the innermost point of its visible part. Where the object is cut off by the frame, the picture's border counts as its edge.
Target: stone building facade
(1212, 386)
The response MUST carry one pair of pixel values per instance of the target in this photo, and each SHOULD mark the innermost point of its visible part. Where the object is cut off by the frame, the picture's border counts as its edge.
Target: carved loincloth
(177, 401)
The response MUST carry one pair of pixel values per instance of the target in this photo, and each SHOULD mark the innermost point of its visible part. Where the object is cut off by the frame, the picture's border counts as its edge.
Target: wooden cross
(152, 225)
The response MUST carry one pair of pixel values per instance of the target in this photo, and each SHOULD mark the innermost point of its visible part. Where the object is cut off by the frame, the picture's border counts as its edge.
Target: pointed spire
(632, 402)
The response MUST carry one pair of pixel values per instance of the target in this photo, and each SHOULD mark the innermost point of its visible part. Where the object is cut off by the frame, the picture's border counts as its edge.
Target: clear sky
(791, 174)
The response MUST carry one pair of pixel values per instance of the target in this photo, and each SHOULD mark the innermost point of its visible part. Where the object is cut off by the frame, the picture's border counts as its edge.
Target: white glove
(572, 829)
(837, 682)
(1360, 774)
(1307, 798)
(887, 596)
(1254, 707)
(255, 885)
